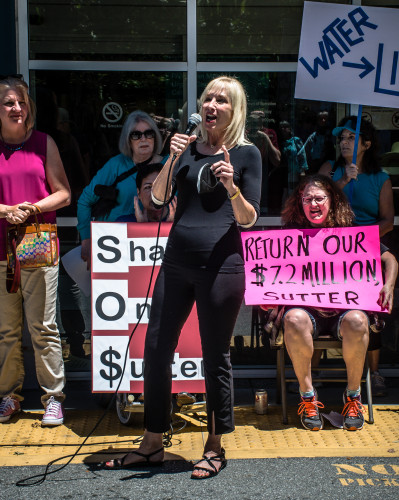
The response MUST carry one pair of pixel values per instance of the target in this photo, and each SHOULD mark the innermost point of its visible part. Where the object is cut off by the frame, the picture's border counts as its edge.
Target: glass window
(381, 3)
(84, 113)
(231, 30)
(128, 30)
(299, 129)
(386, 121)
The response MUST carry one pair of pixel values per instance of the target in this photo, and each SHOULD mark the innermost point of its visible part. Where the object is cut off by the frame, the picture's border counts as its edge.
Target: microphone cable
(40, 478)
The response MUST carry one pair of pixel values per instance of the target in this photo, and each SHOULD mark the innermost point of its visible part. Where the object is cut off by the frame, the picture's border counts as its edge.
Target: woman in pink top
(31, 173)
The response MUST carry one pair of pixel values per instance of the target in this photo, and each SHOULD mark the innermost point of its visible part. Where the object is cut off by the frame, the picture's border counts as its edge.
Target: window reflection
(127, 30)
(292, 135)
(84, 113)
(249, 31)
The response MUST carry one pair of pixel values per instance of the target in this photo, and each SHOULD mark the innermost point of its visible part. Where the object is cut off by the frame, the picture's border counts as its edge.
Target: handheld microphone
(193, 122)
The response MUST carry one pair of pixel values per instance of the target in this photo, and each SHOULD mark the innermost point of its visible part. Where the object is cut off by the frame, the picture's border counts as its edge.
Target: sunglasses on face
(137, 135)
(18, 76)
(320, 200)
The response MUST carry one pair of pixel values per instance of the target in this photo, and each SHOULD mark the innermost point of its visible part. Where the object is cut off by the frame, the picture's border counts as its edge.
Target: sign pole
(354, 157)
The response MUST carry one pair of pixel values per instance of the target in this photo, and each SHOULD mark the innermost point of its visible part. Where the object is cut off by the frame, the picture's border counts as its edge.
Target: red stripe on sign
(116, 333)
(147, 229)
(138, 281)
(136, 347)
(109, 276)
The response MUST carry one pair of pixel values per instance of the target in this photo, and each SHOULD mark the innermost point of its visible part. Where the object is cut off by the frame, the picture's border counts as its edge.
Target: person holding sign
(217, 177)
(369, 191)
(147, 211)
(317, 203)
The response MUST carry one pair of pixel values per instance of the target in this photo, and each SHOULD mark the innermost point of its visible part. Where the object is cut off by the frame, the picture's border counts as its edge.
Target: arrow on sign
(367, 67)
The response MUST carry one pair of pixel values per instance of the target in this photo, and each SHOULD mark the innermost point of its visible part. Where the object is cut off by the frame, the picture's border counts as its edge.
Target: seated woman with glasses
(317, 203)
(140, 142)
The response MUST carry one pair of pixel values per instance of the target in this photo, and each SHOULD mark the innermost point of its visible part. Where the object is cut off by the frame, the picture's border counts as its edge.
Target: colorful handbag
(30, 245)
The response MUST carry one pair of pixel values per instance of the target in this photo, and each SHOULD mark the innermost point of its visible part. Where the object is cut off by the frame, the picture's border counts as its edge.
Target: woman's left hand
(139, 214)
(385, 300)
(18, 214)
(224, 171)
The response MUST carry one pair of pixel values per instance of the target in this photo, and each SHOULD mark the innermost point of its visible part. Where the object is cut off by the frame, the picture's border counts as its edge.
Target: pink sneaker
(9, 407)
(53, 414)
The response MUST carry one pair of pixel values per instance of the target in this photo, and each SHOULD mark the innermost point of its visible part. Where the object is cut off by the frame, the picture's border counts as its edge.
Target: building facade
(89, 63)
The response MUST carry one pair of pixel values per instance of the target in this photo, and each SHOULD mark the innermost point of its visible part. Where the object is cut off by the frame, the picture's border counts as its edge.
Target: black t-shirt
(205, 233)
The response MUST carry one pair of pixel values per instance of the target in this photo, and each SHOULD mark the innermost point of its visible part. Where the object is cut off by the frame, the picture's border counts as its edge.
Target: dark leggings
(218, 297)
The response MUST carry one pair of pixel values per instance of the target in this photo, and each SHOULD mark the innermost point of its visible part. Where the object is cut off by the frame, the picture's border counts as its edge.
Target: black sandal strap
(217, 458)
(146, 455)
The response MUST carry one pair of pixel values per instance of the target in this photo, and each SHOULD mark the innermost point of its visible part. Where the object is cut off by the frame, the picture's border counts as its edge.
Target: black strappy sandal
(209, 460)
(119, 463)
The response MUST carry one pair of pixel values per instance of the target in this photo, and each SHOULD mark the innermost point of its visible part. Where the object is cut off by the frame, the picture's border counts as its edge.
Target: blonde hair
(235, 132)
(22, 88)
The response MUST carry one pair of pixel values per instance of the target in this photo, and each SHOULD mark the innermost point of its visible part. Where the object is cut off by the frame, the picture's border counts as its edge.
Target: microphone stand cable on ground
(40, 478)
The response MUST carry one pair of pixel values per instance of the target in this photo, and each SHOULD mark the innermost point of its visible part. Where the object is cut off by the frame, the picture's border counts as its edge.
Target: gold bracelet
(235, 195)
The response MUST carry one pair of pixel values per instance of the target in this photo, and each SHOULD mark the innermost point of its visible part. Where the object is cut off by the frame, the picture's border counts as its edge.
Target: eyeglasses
(17, 76)
(320, 200)
(137, 135)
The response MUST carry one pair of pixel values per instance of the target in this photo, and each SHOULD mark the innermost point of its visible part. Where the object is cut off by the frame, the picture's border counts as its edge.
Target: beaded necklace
(10, 148)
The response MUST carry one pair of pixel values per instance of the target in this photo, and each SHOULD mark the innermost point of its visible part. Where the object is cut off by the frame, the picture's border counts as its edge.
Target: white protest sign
(123, 255)
(349, 54)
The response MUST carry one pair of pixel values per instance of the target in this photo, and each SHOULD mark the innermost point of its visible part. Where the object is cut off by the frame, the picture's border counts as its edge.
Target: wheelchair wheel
(127, 417)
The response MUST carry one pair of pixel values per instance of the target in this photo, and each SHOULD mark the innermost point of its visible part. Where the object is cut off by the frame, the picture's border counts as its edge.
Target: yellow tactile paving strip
(24, 442)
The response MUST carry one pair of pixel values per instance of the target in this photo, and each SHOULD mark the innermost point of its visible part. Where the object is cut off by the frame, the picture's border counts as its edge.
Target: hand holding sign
(385, 299)
(351, 172)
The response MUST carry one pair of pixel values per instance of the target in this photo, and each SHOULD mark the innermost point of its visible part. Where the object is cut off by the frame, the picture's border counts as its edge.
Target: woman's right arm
(161, 187)
(386, 208)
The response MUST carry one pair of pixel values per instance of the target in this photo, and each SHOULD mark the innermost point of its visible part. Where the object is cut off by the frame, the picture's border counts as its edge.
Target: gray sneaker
(378, 386)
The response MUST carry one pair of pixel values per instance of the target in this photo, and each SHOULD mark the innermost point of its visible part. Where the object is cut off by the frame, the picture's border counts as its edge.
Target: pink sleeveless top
(23, 178)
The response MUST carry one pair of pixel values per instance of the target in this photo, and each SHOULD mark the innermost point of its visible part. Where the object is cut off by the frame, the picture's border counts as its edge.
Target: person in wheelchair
(316, 203)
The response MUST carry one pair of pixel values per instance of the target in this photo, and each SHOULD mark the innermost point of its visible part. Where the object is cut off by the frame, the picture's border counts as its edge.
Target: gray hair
(128, 126)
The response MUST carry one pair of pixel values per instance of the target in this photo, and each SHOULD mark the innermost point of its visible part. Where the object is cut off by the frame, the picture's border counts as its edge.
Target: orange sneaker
(353, 413)
(309, 412)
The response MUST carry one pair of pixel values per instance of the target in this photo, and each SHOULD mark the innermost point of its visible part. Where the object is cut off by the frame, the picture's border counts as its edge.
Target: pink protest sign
(336, 268)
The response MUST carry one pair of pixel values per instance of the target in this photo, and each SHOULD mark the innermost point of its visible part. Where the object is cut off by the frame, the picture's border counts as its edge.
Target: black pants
(218, 297)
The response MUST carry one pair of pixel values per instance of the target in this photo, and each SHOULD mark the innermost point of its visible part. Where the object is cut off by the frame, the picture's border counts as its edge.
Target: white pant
(36, 300)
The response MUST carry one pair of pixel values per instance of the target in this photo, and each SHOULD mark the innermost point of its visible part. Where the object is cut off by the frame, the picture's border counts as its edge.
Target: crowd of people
(162, 177)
